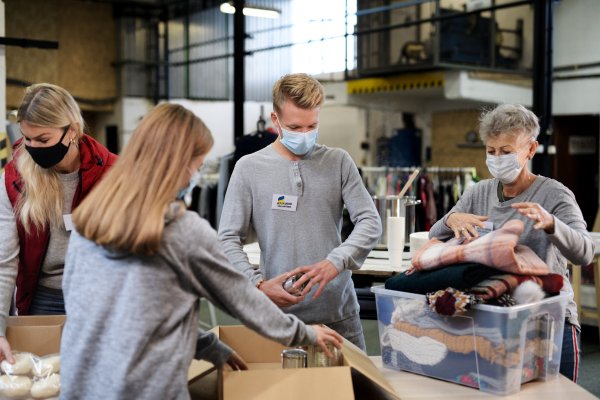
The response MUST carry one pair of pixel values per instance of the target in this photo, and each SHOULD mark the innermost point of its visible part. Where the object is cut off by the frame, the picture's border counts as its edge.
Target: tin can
(317, 358)
(293, 358)
(288, 284)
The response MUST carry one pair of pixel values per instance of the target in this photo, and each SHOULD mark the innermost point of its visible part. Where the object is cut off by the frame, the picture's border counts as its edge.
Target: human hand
(5, 352)
(544, 220)
(321, 273)
(274, 290)
(465, 224)
(235, 362)
(327, 335)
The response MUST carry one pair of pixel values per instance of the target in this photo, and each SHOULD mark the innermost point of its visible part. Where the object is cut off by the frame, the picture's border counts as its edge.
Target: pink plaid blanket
(497, 249)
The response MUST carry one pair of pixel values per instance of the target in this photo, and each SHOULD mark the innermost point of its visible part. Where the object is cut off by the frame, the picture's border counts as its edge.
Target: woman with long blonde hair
(139, 263)
(54, 167)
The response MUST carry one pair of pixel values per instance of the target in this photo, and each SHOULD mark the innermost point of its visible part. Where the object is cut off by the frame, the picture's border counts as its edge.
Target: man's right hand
(274, 290)
(5, 352)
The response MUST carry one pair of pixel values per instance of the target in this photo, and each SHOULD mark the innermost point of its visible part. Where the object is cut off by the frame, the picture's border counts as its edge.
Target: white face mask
(505, 168)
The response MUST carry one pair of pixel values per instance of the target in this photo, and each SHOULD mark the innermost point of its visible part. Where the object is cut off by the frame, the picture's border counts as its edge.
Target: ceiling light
(251, 11)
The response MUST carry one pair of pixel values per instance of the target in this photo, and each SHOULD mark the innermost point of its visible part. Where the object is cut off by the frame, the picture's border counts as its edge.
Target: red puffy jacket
(95, 161)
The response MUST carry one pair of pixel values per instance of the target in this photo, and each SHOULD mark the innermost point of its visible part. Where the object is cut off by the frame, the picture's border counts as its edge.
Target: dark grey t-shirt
(54, 263)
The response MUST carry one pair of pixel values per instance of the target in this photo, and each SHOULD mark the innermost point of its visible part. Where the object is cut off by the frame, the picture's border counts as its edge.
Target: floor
(590, 347)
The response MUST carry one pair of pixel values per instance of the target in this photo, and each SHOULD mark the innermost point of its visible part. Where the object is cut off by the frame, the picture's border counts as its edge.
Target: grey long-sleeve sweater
(570, 240)
(323, 181)
(132, 322)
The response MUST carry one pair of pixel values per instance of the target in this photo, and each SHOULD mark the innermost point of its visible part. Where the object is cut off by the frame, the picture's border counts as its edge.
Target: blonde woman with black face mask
(139, 263)
(54, 167)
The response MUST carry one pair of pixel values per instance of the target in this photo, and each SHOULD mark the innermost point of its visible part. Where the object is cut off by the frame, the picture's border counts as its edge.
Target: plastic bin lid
(563, 296)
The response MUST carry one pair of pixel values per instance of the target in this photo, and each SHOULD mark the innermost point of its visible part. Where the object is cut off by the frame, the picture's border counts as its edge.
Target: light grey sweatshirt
(570, 240)
(52, 268)
(323, 181)
(132, 322)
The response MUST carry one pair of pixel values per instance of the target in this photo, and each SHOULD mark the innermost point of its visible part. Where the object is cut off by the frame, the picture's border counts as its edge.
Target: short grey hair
(510, 118)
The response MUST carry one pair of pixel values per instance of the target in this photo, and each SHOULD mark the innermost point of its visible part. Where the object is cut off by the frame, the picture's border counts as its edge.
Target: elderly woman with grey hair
(554, 226)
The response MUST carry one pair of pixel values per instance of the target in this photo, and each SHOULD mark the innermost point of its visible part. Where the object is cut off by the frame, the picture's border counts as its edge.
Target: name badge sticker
(68, 218)
(284, 202)
(489, 226)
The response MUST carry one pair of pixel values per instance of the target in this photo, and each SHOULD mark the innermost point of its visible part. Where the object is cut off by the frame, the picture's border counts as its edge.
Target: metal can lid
(294, 353)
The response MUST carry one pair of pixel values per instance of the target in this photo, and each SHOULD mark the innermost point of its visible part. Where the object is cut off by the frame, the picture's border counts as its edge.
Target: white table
(411, 386)
(377, 263)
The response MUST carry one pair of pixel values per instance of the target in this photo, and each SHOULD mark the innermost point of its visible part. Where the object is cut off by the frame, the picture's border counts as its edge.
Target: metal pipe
(167, 56)
(186, 38)
(571, 77)
(576, 67)
(239, 93)
(493, 37)
(156, 88)
(389, 8)
(346, 42)
(542, 80)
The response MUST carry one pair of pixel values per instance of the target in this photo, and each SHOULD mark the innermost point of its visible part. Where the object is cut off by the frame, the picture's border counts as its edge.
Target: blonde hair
(127, 209)
(510, 118)
(304, 91)
(41, 201)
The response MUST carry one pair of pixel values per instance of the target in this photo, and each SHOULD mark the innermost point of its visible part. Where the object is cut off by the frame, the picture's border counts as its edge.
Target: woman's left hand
(544, 220)
(235, 362)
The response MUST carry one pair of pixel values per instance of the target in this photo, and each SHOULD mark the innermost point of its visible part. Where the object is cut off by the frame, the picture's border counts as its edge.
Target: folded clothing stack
(459, 273)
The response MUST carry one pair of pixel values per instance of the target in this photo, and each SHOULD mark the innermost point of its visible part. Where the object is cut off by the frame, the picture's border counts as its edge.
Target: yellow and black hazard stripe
(3, 151)
(424, 80)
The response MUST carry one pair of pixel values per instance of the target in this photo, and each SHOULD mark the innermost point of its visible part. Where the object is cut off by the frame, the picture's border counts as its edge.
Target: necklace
(518, 194)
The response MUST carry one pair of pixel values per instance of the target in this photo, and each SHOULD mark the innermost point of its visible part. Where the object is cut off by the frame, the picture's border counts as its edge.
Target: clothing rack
(438, 188)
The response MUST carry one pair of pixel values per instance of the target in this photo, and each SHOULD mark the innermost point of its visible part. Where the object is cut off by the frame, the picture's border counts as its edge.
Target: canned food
(293, 358)
(318, 358)
(288, 284)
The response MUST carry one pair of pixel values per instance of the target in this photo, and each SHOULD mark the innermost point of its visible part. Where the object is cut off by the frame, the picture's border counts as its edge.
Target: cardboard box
(39, 335)
(265, 378)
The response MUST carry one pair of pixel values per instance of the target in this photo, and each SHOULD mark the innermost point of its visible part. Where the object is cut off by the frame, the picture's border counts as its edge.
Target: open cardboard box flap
(39, 335)
(266, 379)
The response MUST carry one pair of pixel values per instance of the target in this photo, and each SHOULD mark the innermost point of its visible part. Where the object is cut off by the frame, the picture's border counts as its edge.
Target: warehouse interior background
(392, 70)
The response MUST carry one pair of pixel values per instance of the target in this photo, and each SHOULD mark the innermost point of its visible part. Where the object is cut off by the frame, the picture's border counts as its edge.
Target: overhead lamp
(251, 11)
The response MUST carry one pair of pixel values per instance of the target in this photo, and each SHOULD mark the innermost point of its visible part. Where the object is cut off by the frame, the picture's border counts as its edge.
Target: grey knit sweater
(323, 182)
(132, 322)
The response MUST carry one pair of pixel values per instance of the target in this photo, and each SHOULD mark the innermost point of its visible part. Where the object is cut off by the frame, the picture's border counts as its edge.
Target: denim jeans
(571, 353)
(47, 304)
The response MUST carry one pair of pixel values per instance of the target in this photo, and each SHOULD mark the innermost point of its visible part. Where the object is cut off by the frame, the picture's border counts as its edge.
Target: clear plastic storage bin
(495, 349)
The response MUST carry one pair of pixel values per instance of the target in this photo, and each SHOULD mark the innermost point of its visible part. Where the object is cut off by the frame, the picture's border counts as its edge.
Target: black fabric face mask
(47, 157)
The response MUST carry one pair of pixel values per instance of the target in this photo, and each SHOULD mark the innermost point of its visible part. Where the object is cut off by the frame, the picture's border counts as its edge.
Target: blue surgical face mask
(193, 181)
(298, 143)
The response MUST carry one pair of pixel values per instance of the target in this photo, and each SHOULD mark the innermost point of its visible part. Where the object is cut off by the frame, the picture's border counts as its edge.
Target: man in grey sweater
(293, 193)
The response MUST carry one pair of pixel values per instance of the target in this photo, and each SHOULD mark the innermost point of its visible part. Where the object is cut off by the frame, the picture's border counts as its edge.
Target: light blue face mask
(193, 181)
(298, 143)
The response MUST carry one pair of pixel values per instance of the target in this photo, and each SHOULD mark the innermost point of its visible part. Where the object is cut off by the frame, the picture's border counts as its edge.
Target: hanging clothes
(252, 143)
(430, 208)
